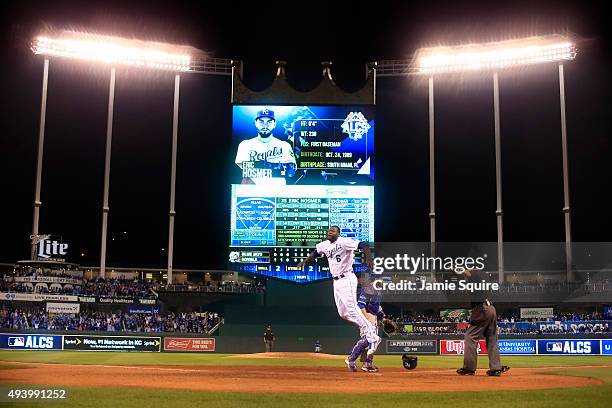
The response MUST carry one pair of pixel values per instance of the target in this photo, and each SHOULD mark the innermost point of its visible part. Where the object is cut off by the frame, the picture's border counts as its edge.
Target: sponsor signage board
(569, 346)
(112, 343)
(412, 346)
(68, 308)
(457, 347)
(536, 312)
(517, 346)
(189, 344)
(18, 341)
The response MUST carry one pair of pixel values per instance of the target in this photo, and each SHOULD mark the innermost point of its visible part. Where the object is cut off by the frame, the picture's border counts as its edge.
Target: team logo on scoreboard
(234, 256)
(355, 125)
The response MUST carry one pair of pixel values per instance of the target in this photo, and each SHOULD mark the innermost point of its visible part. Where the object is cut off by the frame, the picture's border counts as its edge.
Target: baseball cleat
(369, 368)
(351, 365)
(494, 373)
(463, 371)
(505, 369)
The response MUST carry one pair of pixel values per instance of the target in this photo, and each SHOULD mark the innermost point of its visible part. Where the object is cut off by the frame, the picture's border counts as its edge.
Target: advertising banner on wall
(189, 344)
(606, 347)
(68, 308)
(536, 312)
(458, 347)
(17, 341)
(36, 297)
(569, 346)
(41, 297)
(125, 300)
(574, 327)
(112, 343)
(412, 346)
(434, 328)
(455, 314)
(47, 279)
(517, 346)
(145, 309)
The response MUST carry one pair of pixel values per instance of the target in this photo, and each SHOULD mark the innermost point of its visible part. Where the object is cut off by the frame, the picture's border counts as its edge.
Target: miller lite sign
(50, 248)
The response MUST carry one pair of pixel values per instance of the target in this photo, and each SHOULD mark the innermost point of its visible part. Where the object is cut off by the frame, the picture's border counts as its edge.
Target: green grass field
(592, 396)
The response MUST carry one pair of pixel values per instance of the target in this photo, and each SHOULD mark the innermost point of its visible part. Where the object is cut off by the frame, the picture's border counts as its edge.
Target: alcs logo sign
(31, 342)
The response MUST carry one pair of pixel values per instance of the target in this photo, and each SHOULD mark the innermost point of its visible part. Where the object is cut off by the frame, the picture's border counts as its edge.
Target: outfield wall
(168, 342)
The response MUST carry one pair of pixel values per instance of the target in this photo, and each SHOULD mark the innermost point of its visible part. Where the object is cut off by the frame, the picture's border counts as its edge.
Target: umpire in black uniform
(483, 322)
(269, 339)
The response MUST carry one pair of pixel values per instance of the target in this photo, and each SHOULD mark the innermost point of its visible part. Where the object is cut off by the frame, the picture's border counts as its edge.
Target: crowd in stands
(116, 288)
(117, 321)
(96, 287)
(577, 317)
(508, 323)
(129, 287)
(223, 287)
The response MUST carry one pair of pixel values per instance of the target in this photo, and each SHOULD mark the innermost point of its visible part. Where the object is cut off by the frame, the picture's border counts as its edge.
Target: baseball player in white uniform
(340, 254)
(266, 152)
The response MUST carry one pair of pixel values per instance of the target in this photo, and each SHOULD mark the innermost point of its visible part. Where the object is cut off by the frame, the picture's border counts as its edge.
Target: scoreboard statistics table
(299, 170)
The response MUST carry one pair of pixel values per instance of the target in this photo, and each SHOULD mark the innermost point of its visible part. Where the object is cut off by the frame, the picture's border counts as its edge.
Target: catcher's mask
(409, 362)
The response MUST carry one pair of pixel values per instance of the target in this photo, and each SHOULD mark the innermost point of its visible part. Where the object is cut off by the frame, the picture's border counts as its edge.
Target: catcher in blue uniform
(369, 303)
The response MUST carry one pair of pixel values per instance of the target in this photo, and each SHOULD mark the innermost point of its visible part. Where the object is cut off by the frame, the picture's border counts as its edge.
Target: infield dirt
(285, 379)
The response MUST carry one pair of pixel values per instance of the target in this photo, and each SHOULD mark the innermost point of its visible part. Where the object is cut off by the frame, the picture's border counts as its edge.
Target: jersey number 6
(337, 258)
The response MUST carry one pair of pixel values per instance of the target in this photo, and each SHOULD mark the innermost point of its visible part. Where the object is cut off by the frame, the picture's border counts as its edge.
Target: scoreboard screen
(299, 170)
(303, 145)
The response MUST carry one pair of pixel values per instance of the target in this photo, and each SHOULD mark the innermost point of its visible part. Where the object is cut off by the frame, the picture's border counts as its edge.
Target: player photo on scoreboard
(309, 145)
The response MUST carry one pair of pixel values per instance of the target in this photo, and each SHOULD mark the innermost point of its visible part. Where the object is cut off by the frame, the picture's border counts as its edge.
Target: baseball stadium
(415, 214)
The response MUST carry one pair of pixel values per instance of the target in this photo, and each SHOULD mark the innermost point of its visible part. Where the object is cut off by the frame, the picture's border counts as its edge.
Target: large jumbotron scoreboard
(297, 171)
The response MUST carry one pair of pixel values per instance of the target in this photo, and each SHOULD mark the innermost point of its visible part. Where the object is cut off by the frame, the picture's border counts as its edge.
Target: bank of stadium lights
(495, 56)
(114, 51)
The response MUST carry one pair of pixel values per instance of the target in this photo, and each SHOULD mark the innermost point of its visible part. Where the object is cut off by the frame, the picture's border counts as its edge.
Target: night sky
(260, 33)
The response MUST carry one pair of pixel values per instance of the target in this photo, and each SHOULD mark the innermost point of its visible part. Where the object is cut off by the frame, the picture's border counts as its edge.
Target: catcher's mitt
(389, 326)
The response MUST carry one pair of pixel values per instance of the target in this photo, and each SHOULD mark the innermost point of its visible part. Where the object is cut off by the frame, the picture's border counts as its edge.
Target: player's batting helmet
(409, 362)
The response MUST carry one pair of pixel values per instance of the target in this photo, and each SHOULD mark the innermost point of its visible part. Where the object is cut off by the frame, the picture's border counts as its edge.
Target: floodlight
(114, 50)
(495, 56)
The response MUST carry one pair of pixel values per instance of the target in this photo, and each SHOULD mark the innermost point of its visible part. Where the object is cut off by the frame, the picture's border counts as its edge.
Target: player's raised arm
(313, 255)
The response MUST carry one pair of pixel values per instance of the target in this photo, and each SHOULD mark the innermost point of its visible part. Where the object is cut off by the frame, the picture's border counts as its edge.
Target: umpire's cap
(265, 113)
(409, 362)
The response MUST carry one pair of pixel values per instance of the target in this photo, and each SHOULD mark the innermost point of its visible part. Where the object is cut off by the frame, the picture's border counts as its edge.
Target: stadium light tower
(112, 51)
(494, 57)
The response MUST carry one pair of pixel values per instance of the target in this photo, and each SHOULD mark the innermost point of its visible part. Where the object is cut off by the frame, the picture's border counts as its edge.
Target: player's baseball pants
(483, 321)
(345, 294)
